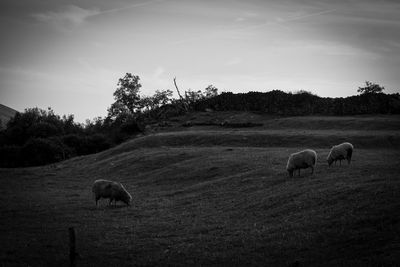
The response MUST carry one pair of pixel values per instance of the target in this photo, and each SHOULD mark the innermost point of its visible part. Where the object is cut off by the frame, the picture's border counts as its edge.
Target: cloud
(157, 79)
(246, 16)
(69, 16)
(234, 61)
(246, 28)
(72, 15)
(158, 72)
(280, 20)
(130, 6)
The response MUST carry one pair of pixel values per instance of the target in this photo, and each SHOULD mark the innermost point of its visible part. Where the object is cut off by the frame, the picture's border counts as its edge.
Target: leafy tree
(151, 105)
(127, 98)
(146, 103)
(370, 88)
(211, 91)
(34, 122)
(193, 96)
(161, 98)
(303, 92)
(10, 156)
(37, 137)
(40, 151)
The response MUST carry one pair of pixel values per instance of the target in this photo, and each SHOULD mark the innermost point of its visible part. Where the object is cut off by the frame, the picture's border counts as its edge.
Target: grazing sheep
(340, 152)
(301, 160)
(112, 190)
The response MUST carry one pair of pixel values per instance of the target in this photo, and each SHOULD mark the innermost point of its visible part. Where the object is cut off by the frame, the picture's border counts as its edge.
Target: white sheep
(302, 160)
(112, 190)
(340, 152)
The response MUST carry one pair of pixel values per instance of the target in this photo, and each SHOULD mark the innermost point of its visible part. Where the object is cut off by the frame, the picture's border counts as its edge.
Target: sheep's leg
(312, 170)
(340, 162)
(299, 172)
(109, 203)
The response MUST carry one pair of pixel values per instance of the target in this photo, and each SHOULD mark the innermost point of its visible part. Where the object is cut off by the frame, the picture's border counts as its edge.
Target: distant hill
(6, 113)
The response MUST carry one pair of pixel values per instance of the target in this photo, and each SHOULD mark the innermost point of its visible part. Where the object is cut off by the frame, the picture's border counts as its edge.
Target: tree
(192, 97)
(161, 98)
(211, 91)
(371, 88)
(184, 104)
(127, 98)
(33, 122)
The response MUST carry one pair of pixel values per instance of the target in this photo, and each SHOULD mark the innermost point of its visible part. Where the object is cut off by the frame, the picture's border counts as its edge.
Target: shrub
(94, 144)
(43, 129)
(86, 144)
(10, 156)
(75, 143)
(41, 151)
(35, 122)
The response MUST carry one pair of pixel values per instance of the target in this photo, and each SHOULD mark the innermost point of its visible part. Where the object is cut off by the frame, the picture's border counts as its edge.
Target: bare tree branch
(184, 104)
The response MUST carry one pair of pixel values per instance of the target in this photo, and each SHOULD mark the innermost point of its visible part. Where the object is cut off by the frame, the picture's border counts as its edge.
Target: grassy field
(210, 195)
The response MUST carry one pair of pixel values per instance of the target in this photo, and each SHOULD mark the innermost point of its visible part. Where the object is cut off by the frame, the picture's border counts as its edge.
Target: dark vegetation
(303, 103)
(38, 137)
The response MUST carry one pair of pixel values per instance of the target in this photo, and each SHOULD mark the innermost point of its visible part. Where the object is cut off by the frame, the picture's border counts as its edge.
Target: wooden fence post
(72, 247)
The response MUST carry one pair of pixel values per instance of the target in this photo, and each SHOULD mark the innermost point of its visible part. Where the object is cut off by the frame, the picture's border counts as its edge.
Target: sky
(69, 54)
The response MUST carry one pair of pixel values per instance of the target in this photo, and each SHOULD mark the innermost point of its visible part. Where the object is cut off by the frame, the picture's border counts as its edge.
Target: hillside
(6, 113)
(215, 195)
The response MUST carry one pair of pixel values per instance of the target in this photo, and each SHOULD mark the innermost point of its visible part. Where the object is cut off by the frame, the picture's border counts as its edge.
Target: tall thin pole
(72, 247)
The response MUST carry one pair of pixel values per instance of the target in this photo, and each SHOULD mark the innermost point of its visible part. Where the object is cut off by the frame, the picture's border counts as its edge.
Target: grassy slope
(209, 195)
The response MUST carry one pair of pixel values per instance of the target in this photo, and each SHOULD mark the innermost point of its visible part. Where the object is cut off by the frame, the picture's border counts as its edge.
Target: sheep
(112, 190)
(301, 160)
(340, 152)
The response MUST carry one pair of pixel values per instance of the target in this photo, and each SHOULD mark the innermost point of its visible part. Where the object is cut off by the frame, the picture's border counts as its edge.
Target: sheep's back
(340, 151)
(302, 159)
(103, 188)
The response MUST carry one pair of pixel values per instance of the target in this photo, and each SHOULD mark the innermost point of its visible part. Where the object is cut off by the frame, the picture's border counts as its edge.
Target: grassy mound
(274, 138)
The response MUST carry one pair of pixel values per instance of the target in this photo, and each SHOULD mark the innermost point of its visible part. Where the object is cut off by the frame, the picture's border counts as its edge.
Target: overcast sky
(69, 55)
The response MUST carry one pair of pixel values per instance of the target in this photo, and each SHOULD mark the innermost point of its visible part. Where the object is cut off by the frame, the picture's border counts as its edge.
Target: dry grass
(196, 203)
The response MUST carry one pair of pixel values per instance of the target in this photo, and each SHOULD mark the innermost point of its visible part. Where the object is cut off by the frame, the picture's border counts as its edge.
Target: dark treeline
(38, 137)
(302, 103)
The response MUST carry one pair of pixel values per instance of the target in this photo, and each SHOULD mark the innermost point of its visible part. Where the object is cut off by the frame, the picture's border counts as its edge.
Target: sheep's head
(329, 160)
(120, 194)
(290, 169)
(128, 201)
(126, 198)
(290, 166)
